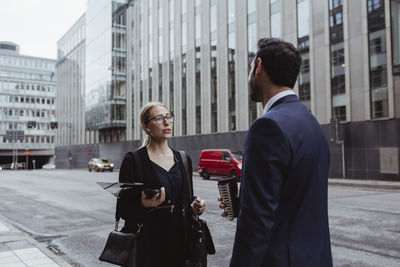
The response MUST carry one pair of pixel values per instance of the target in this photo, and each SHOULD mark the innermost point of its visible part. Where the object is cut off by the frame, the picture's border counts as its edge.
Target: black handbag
(123, 249)
(201, 242)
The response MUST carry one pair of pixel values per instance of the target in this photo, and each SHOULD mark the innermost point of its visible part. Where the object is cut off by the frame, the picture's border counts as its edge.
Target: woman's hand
(198, 206)
(222, 206)
(155, 201)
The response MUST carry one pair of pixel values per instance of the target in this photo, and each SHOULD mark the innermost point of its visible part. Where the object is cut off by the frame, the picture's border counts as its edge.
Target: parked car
(48, 166)
(220, 162)
(100, 165)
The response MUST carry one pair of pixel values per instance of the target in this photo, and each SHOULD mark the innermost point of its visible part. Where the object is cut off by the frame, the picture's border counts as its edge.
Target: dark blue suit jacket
(283, 218)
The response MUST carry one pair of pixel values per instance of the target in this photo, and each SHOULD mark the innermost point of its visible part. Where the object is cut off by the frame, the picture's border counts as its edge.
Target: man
(283, 218)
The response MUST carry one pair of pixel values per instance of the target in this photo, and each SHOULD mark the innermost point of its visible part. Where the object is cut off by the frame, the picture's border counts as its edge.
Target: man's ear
(259, 66)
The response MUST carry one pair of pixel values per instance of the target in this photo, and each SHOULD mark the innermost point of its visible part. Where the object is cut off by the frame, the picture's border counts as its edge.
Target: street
(70, 214)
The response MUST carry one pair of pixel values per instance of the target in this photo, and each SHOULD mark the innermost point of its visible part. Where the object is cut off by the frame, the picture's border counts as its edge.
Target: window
(337, 60)
(225, 156)
(378, 61)
(339, 18)
(275, 9)
(340, 113)
(376, 45)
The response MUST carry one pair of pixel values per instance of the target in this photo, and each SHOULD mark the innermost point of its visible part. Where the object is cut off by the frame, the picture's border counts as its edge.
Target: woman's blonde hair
(145, 117)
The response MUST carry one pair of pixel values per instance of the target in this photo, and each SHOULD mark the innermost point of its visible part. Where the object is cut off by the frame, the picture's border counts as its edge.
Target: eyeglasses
(160, 118)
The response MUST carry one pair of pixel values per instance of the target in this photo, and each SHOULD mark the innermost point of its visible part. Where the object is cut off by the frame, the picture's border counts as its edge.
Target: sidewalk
(19, 250)
(354, 182)
(365, 183)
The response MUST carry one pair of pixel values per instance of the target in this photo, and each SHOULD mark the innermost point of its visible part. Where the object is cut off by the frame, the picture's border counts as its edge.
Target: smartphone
(151, 192)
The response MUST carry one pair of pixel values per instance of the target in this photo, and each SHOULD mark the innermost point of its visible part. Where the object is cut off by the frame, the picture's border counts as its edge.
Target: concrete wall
(371, 149)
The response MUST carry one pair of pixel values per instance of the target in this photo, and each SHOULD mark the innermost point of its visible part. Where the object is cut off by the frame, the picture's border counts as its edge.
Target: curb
(38, 245)
(365, 183)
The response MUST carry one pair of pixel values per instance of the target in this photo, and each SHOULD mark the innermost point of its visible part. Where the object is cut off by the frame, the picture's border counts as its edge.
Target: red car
(220, 162)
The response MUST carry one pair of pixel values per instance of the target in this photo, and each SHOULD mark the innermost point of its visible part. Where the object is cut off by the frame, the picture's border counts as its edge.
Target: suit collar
(275, 98)
(285, 99)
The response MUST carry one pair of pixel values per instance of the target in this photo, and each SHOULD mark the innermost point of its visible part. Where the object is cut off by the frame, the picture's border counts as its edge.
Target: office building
(27, 108)
(195, 55)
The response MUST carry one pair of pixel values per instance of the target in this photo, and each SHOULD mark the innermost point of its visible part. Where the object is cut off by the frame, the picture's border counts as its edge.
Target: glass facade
(213, 63)
(303, 40)
(275, 13)
(150, 38)
(160, 50)
(231, 65)
(105, 68)
(197, 20)
(395, 22)
(171, 54)
(184, 74)
(184, 71)
(377, 59)
(338, 88)
(252, 49)
(71, 86)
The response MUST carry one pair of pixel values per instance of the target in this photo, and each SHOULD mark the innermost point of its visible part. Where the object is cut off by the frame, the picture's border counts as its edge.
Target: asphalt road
(72, 216)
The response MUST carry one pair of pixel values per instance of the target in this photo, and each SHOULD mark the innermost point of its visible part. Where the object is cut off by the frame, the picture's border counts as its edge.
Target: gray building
(105, 100)
(27, 108)
(194, 56)
(70, 75)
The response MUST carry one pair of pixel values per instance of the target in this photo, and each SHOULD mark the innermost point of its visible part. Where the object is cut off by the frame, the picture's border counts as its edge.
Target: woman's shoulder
(132, 155)
(178, 154)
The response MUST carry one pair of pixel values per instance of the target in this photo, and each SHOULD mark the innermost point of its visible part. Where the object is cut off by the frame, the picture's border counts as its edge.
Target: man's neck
(273, 90)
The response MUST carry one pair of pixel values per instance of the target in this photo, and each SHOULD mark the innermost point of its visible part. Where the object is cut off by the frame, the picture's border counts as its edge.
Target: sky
(37, 25)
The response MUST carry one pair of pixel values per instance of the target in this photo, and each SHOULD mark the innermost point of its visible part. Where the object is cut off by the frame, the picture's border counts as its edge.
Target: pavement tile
(26, 251)
(3, 228)
(5, 261)
(6, 254)
(36, 262)
(19, 244)
(16, 265)
(47, 265)
(32, 256)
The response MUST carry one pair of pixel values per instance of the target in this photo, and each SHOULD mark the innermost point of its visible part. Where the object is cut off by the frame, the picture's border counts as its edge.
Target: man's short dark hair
(280, 60)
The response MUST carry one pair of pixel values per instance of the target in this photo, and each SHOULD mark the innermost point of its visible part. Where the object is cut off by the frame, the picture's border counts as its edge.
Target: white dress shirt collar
(276, 98)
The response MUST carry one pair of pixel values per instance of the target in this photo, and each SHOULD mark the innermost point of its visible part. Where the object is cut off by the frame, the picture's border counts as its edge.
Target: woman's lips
(167, 130)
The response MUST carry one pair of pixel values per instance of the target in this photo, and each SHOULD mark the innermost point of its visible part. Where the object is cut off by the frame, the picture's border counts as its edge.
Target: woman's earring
(148, 129)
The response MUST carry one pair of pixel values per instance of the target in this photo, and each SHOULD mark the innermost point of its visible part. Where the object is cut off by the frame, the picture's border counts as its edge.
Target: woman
(166, 215)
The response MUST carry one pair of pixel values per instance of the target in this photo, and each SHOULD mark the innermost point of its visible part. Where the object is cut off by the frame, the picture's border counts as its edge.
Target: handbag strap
(186, 167)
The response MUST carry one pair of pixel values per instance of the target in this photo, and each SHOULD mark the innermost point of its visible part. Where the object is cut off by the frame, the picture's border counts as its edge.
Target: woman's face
(160, 125)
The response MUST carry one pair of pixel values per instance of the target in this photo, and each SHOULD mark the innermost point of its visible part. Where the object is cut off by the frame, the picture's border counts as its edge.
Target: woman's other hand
(198, 205)
(155, 201)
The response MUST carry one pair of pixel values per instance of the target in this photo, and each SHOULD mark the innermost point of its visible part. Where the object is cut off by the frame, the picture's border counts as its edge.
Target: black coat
(165, 233)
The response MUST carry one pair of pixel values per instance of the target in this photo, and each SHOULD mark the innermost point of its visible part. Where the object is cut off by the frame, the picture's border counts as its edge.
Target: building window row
(27, 100)
(25, 62)
(27, 75)
(10, 112)
(26, 86)
(35, 139)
